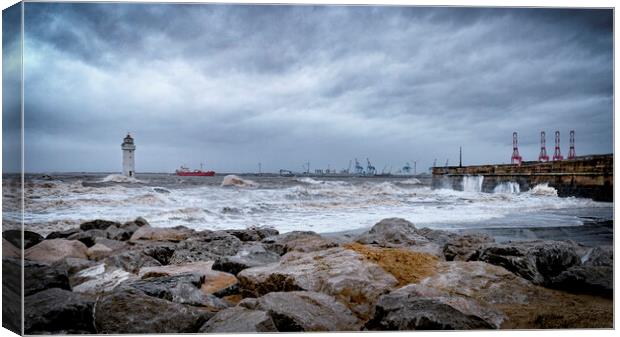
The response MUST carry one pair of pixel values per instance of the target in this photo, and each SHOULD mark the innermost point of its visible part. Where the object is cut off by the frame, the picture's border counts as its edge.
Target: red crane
(571, 150)
(516, 158)
(557, 155)
(543, 157)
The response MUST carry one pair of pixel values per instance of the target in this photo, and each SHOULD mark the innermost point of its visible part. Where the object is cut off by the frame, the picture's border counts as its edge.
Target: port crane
(358, 168)
(370, 170)
(407, 168)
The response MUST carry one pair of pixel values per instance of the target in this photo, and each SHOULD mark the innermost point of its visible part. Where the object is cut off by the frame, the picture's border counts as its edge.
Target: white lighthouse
(129, 166)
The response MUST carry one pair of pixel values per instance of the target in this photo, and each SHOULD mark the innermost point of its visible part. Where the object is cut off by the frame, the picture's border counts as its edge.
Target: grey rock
(205, 246)
(73, 265)
(466, 305)
(120, 234)
(392, 232)
(161, 251)
(239, 319)
(300, 241)
(131, 261)
(99, 279)
(55, 310)
(41, 276)
(173, 234)
(421, 314)
(115, 245)
(595, 280)
(599, 256)
(62, 234)
(181, 288)
(250, 255)
(338, 272)
(12, 293)
(466, 247)
(14, 236)
(252, 234)
(537, 261)
(130, 311)
(98, 224)
(88, 237)
(304, 311)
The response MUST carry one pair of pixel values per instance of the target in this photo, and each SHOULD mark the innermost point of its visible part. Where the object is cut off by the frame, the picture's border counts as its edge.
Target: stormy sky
(233, 86)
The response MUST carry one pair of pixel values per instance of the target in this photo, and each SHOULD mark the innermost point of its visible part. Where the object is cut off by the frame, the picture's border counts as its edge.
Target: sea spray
(543, 190)
(119, 178)
(233, 180)
(472, 183)
(509, 187)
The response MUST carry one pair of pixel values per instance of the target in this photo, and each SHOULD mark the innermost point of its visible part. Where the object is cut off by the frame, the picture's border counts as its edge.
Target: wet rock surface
(15, 237)
(393, 277)
(339, 272)
(57, 310)
(239, 319)
(116, 313)
(304, 311)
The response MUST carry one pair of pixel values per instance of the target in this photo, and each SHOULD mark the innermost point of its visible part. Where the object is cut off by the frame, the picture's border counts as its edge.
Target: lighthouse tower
(129, 167)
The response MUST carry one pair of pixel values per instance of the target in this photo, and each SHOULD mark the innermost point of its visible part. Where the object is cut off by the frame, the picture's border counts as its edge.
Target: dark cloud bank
(235, 85)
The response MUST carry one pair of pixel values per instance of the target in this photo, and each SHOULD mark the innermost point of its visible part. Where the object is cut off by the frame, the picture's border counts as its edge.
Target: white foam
(543, 190)
(410, 181)
(233, 180)
(119, 178)
(508, 187)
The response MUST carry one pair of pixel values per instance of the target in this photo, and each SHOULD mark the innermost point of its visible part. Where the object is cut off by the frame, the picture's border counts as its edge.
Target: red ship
(185, 172)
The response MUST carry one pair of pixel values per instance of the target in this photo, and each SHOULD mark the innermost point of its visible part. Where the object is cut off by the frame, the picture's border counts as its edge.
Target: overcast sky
(232, 86)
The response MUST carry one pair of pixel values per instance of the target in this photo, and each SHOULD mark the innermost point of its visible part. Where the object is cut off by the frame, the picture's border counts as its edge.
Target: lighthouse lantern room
(129, 168)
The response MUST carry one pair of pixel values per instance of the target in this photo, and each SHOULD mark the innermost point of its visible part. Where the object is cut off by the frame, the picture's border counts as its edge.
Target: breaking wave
(410, 181)
(119, 178)
(233, 180)
(543, 190)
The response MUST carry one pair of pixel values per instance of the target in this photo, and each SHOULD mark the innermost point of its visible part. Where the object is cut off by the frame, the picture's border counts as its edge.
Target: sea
(324, 205)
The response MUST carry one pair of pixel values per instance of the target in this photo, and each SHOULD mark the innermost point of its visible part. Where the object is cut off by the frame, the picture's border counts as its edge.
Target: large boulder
(40, 276)
(298, 241)
(55, 250)
(73, 265)
(14, 236)
(120, 234)
(304, 311)
(99, 279)
(587, 279)
(338, 272)
(181, 288)
(537, 261)
(62, 234)
(131, 311)
(9, 250)
(98, 252)
(238, 320)
(174, 234)
(466, 247)
(421, 307)
(213, 281)
(599, 256)
(98, 224)
(250, 255)
(160, 251)
(421, 314)
(131, 261)
(205, 246)
(252, 234)
(88, 237)
(399, 233)
(58, 311)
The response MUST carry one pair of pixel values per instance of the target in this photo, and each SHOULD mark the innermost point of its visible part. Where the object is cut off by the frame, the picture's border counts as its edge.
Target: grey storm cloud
(234, 85)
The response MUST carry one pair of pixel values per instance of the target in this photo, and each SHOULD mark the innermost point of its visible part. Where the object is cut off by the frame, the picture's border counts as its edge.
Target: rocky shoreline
(109, 278)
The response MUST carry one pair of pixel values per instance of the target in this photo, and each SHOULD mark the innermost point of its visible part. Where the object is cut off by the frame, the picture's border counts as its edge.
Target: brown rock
(339, 272)
(55, 250)
(8, 250)
(98, 252)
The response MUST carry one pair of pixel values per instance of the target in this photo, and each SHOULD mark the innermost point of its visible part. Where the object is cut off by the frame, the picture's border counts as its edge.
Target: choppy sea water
(323, 205)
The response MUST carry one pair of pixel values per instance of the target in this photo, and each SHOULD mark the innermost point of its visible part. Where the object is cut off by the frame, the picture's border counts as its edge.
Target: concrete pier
(585, 176)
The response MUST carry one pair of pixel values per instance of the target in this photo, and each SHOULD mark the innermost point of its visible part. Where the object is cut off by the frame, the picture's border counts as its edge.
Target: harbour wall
(585, 176)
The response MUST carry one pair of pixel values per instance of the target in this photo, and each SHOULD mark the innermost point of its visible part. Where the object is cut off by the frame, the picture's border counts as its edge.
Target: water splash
(509, 187)
(472, 183)
(544, 190)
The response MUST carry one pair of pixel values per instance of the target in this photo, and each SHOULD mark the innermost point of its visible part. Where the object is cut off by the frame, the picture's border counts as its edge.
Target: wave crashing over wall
(472, 183)
(509, 187)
